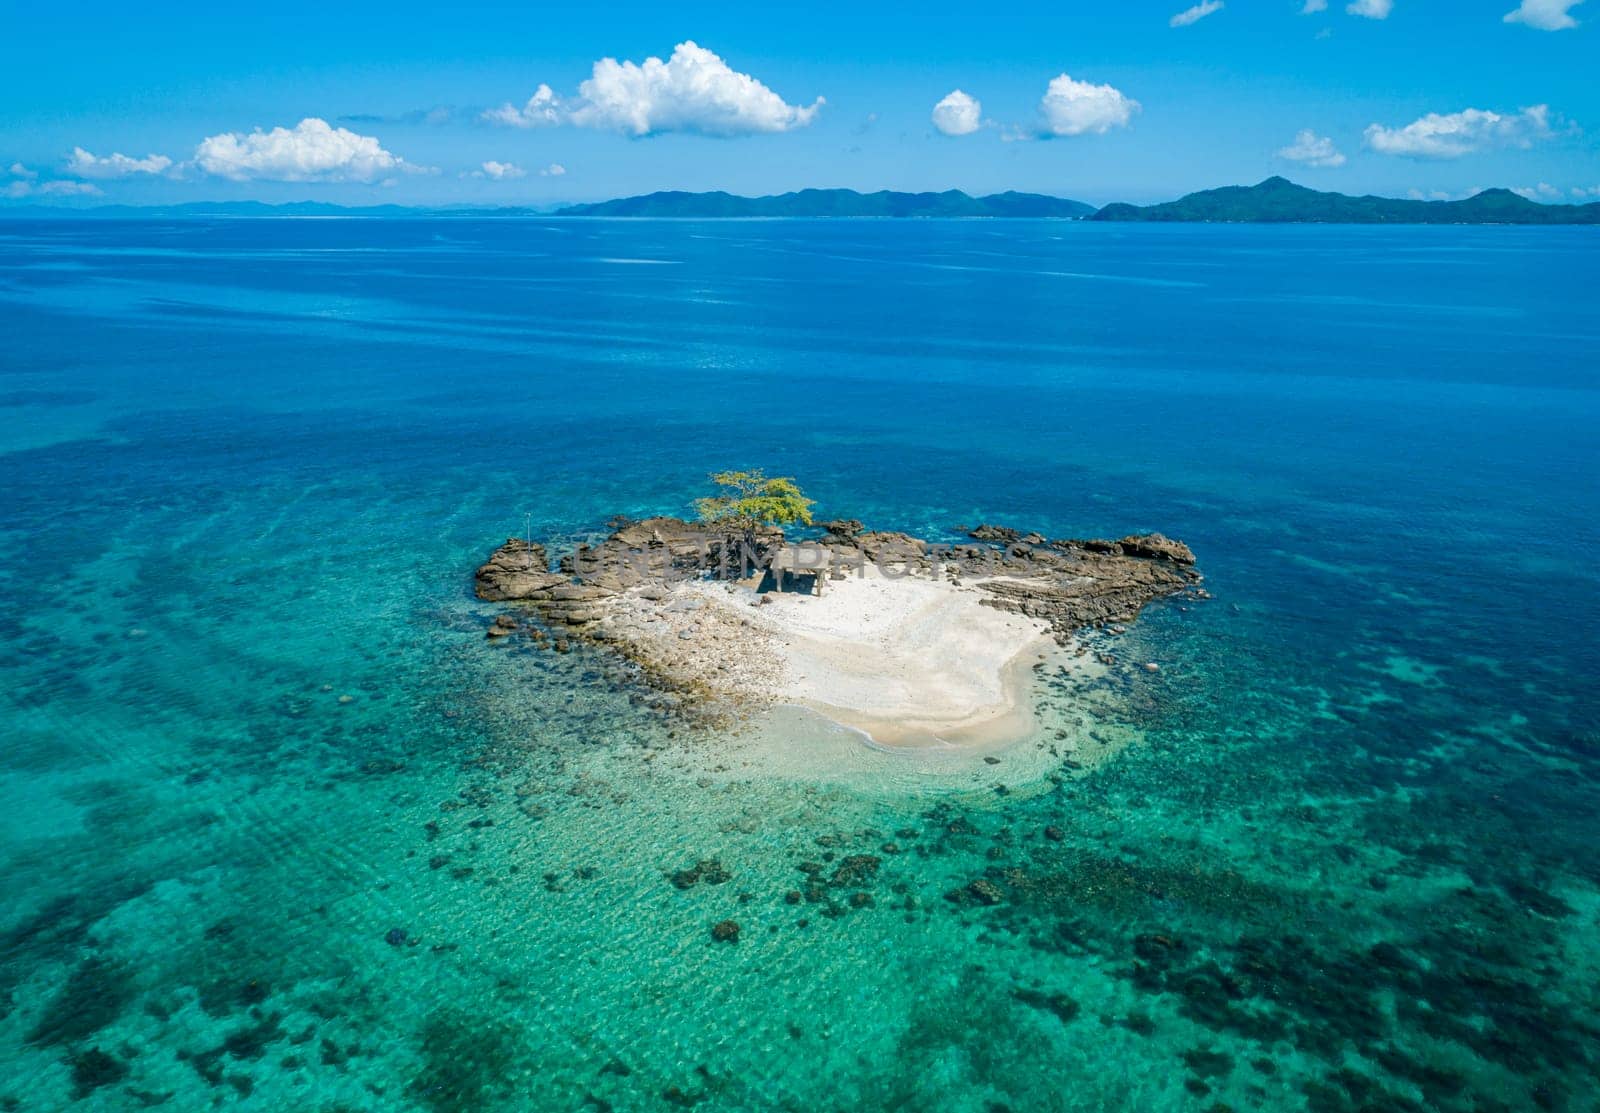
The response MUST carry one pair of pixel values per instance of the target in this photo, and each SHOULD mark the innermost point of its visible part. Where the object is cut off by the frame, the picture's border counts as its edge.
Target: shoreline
(908, 663)
(916, 648)
(991, 729)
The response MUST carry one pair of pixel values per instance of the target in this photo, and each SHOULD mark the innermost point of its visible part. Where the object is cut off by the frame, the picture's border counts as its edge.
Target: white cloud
(24, 188)
(311, 151)
(957, 114)
(1544, 191)
(1195, 14)
(1461, 133)
(20, 171)
(1371, 9)
(510, 171)
(1441, 195)
(1312, 7)
(692, 91)
(502, 171)
(1077, 108)
(1581, 193)
(1313, 150)
(543, 110)
(85, 165)
(1545, 15)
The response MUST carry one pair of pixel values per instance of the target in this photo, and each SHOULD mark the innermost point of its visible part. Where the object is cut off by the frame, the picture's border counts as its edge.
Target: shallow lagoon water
(253, 729)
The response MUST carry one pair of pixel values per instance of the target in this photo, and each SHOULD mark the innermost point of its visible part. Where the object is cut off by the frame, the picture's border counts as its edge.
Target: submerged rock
(725, 931)
(982, 892)
(709, 870)
(1065, 1008)
(855, 870)
(92, 1069)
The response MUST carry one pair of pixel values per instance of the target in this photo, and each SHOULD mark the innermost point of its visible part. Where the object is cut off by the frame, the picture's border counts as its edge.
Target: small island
(911, 643)
(1280, 201)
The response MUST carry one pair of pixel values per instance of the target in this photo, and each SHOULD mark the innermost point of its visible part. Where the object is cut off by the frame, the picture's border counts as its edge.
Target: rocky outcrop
(655, 551)
(1151, 546)
(1073, 584)
(518, 569)
(1070, 584)
(842, 529)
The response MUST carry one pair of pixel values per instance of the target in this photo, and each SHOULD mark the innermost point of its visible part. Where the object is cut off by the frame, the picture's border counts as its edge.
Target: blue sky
(424, 104)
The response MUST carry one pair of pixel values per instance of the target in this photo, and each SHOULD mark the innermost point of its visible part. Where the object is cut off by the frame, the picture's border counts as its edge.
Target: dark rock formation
(854, 870)
(516, 570)
(1154, 546)
(984, 891)
(709, 870)
(1069, 584)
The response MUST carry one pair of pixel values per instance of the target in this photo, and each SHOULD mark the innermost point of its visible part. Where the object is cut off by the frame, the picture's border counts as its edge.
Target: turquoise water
(281, 830)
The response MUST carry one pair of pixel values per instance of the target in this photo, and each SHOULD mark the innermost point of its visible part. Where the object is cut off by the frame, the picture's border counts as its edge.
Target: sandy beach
(908, 661)
(908, 647)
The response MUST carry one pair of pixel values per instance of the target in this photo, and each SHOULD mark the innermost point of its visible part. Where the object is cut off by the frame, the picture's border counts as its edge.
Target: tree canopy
(752, 499)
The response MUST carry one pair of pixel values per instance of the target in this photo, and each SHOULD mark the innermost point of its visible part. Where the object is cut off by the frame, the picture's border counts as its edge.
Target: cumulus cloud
(1312, 7)
(85, 165)
(543, 110)
(1312, 150)
(1461, 133)
(1544, 191)
(1371, 9)
(1196, 13)
(1582, 193)
(1078, 108)
(311, 151)
(510, 171)
(502, 171)
(692, 91)
(1545, 15)
(957, 114)
(20, 171)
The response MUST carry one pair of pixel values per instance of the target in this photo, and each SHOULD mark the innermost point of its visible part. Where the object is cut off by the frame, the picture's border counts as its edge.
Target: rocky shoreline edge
(643, 592)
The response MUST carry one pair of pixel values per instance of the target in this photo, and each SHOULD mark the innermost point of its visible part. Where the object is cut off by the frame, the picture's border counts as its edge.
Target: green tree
(751, 500)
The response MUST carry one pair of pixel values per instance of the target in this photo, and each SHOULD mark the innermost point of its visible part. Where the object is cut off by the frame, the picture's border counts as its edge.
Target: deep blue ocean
(280, 829)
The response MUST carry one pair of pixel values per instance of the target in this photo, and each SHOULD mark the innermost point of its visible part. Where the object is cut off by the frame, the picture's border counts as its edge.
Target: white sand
(909, 661)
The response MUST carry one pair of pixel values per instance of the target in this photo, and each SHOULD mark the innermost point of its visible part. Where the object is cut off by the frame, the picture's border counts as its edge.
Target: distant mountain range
(1280, 201)
(835, 202)
(1274, 201)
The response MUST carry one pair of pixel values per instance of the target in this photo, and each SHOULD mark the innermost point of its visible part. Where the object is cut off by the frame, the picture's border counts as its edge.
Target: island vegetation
(748, 502)
(1280, 201)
